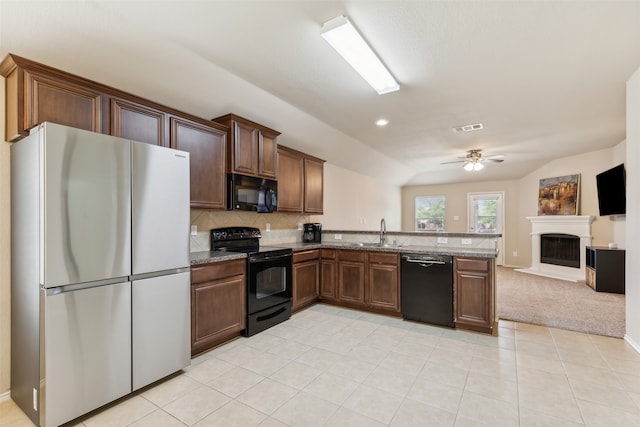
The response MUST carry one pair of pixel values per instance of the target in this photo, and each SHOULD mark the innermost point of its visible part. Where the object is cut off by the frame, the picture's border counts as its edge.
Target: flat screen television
(612, 198)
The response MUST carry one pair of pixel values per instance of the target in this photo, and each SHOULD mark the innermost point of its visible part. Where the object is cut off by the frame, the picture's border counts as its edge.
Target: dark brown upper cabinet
(207, 145)
(252, 148)
(300, 182)
(34, 94)
(138, 122)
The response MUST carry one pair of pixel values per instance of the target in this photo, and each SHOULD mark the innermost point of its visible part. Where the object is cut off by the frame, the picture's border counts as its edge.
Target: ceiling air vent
(468, 128)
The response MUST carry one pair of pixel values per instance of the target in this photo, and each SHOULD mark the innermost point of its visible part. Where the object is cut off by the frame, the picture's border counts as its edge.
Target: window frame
(442, 218)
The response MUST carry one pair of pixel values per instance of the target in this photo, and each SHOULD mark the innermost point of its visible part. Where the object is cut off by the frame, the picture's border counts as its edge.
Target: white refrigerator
(100, 302)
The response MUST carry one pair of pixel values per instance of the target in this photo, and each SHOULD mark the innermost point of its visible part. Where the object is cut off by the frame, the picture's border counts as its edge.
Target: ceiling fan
(474, 160)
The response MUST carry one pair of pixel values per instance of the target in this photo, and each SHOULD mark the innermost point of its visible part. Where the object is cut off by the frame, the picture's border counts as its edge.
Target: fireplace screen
(560, 249)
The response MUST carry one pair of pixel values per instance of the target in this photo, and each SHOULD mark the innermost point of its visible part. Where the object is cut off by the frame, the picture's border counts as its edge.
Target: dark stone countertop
(206, 257)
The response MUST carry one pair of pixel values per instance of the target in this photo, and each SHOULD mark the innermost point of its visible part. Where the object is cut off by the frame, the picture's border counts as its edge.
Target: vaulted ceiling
(545, 78)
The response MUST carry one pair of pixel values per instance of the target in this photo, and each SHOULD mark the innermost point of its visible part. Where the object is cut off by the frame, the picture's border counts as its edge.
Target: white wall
(632, 282)
(619, 224)
(5, 258)
(353, 201)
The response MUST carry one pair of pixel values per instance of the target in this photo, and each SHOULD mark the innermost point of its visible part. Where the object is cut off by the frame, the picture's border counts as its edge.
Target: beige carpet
(558, 303)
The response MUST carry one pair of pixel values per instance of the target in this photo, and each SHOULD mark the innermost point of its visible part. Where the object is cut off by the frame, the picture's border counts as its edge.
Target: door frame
(500, 241)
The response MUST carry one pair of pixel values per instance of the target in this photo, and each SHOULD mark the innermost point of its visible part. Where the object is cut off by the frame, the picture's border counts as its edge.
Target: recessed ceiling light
(382, 122)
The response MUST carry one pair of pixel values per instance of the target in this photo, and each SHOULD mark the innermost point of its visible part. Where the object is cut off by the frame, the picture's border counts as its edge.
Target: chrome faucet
(383, 229)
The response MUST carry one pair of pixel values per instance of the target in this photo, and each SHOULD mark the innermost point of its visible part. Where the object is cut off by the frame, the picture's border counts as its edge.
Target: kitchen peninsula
(357, 272)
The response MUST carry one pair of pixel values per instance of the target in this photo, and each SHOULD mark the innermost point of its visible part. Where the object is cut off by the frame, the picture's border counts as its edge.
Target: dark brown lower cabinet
(328, 275)
(218, 310)
(383, 284)
(351, 277)
(306, 278)
(474, 294)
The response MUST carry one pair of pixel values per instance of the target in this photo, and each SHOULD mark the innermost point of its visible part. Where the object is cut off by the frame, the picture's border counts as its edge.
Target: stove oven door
(269, 281)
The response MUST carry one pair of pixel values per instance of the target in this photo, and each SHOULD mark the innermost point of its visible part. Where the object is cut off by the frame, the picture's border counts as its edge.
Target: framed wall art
(559, 195)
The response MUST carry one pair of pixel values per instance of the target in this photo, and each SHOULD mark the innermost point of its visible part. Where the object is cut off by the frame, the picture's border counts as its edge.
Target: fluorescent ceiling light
(344, 38)
(382, 122)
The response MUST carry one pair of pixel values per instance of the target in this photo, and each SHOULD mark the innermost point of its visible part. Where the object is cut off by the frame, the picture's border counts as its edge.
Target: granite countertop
(417, 233)
(430, 250)
(205, 257)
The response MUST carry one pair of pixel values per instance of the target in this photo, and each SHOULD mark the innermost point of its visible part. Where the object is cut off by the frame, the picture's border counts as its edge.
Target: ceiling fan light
(468, 166)
(344, 38)
(477, 166)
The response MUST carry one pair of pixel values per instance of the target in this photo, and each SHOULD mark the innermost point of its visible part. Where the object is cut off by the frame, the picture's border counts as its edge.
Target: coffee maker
(312, 232)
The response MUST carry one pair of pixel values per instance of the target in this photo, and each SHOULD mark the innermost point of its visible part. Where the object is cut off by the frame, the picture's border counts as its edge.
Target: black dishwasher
(427, 288)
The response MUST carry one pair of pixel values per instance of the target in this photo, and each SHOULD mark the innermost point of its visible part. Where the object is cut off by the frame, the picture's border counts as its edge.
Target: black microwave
(249, 193)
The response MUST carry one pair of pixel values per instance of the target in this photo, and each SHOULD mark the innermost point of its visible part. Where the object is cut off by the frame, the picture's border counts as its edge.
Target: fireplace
(560, 249)
(545, 260)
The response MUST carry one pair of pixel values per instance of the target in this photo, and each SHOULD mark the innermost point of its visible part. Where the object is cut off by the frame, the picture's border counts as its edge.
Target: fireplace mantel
(577, 225)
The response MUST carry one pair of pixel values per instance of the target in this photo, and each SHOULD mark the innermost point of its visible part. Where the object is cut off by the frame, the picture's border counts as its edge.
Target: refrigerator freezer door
(160, 208)
(85, 228)
(161, 327)
(87, 351)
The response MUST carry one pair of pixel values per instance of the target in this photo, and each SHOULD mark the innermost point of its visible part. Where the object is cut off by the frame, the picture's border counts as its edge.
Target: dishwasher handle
(423, 262)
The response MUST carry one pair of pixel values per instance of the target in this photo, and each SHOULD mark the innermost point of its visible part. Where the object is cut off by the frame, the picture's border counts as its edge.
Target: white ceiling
(546, 78)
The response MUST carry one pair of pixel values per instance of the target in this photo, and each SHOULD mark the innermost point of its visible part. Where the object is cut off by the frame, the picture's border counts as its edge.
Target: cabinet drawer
(328, 253)
(217, 270)
(356, 256)
(473, 264)
(383, 258)
(306, 256)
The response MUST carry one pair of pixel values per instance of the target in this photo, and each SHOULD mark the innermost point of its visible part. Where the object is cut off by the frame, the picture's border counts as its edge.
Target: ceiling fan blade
(493, 160)
(495, 156)
(455, 161)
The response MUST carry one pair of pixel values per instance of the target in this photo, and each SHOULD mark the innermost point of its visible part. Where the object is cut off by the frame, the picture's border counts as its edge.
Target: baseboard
(632, 343)
(5, 396)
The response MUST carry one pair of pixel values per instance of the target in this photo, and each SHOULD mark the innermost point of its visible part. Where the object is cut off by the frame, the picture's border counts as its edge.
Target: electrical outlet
(300, 227)
(337, 236)
(456, 218)
(194, 230)
(515, 253)
(466, 241)
(267, 227)
(443, 240)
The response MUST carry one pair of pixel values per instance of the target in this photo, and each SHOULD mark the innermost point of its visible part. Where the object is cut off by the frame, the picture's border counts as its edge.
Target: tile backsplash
(283, 226)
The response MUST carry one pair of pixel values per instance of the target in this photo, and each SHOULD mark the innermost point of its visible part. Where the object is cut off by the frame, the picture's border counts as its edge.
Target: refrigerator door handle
(160, 273)
(87, 285)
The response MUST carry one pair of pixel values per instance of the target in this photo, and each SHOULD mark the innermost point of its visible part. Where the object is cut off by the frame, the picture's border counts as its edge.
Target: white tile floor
(329, 366)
